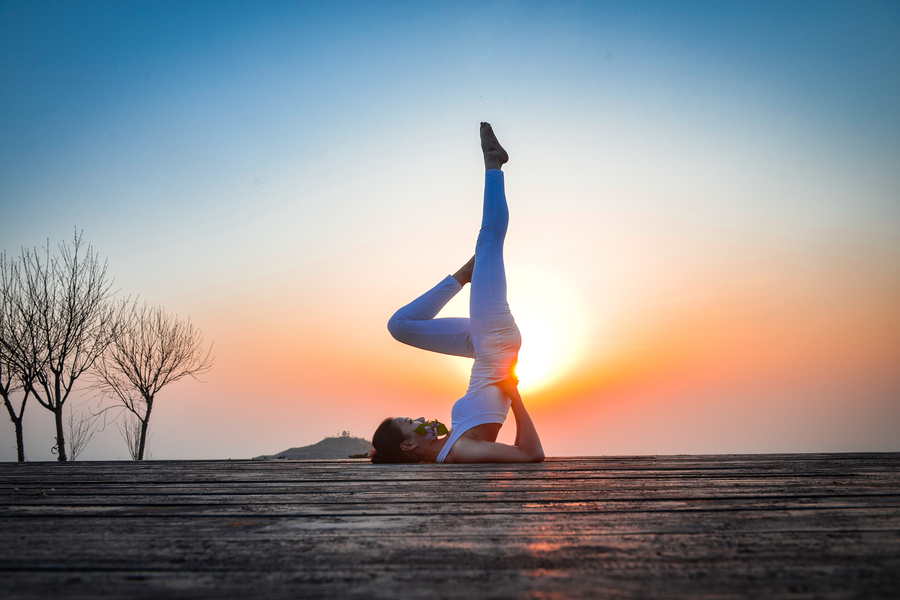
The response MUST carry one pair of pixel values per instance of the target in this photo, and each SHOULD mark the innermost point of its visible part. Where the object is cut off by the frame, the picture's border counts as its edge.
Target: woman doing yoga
(489, 335)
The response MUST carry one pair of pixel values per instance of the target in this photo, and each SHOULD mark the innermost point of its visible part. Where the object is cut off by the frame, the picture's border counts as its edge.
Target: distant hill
(343, 446)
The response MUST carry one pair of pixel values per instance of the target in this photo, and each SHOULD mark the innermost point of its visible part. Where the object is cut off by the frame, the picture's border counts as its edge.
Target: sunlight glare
(553, 324)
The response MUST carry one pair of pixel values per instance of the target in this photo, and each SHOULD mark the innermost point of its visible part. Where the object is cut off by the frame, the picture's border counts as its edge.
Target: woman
(489, 335)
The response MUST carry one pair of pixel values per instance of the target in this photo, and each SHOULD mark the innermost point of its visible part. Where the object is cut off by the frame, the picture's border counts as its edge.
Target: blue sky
(165, 98)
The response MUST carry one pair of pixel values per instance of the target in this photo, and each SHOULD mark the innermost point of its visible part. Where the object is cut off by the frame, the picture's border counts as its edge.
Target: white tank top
(484, 404)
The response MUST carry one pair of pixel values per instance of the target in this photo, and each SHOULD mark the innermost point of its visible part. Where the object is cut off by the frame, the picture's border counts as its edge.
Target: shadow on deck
(797, 526)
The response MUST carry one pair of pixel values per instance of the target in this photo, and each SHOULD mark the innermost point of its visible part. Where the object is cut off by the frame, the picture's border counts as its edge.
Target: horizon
(704, 245)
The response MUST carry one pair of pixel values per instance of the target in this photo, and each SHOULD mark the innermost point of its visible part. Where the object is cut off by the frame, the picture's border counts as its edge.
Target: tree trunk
(145, 423)
(60, 435)
(20, 439)
(140, 455)
(17, 423)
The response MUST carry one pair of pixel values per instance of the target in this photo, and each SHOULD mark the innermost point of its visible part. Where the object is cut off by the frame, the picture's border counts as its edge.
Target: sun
(553, 324)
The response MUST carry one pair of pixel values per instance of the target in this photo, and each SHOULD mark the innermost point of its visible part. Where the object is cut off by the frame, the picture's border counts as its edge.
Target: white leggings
(489, 335)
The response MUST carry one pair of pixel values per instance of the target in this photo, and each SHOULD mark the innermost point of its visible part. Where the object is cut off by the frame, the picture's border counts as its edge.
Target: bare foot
(494, 154)
(464, 275)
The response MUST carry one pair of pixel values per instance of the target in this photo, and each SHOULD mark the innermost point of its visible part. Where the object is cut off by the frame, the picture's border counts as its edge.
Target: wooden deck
(765, 526)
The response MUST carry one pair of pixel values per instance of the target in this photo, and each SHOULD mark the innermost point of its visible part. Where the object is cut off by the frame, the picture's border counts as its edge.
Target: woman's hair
(386, 441)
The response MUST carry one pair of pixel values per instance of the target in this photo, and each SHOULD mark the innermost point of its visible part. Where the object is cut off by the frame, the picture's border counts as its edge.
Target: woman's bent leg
(415, 323)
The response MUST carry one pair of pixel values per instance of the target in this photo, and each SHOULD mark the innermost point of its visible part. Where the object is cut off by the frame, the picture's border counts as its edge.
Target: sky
(704, 245)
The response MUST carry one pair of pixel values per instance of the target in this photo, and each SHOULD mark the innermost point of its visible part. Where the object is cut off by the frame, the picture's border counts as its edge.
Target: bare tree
(69, 296)
(10, 387)
(150, 350)
(17, 372)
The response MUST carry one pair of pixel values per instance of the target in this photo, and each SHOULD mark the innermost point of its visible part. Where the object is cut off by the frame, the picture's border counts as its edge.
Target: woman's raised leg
(493, 330)
(490, 334)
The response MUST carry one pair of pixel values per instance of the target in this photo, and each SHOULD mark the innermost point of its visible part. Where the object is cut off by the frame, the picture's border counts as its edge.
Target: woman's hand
(510, 387)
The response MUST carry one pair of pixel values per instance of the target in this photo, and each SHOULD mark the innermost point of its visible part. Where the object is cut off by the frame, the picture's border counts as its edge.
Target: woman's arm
(528, 445)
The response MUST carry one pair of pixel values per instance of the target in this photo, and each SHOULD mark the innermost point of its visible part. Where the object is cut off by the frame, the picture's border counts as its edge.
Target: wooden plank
(21, 532)
(651, 527)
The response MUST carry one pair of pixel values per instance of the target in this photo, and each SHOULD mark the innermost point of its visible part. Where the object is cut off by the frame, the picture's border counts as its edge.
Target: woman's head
(392, 441)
